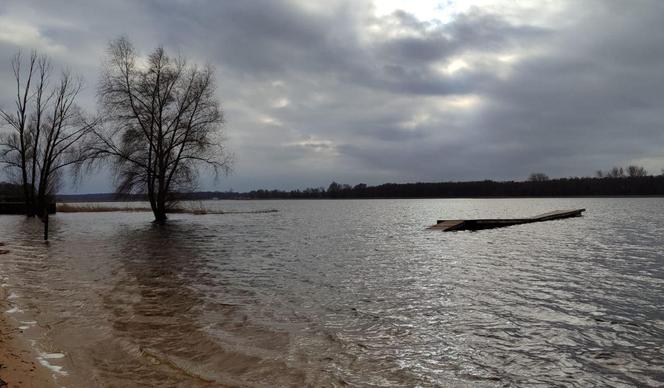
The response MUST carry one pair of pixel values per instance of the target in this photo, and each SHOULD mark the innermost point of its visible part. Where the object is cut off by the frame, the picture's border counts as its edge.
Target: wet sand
(18, 361)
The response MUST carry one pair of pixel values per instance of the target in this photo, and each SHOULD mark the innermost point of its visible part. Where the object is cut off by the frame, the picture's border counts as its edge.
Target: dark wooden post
(45, 220)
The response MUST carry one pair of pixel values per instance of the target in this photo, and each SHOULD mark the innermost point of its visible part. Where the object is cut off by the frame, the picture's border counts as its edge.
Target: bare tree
(163, 121)
(636, 171)
(48, 132)
(16, 144)
(616, 172)
(538, 177)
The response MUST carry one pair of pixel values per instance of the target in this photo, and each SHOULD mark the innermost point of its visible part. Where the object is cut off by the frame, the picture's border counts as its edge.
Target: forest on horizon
(535, 186)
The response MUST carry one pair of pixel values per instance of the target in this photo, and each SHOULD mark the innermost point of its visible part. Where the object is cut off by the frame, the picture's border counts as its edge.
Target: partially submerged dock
(478, 224)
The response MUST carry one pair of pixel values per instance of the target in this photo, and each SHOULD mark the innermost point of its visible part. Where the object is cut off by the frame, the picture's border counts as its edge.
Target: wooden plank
(558, 214)
(478, 224)
(447, 225)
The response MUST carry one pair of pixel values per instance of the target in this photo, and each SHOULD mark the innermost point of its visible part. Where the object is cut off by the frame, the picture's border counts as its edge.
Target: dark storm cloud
(259, 37)
(315, 91)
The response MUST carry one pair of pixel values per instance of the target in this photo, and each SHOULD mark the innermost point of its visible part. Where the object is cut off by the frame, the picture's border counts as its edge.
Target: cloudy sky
(388, 90)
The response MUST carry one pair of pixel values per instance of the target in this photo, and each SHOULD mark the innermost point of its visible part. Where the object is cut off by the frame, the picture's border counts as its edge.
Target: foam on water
(54, 368)
(51, 356)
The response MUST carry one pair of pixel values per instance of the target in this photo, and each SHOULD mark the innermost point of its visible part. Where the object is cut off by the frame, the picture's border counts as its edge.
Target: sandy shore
(18, 361)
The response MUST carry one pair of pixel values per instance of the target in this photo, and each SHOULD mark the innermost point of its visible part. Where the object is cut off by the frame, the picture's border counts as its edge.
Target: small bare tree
(538, 177)
(163, 121)
(636, 171)
(48, 132)
(616, 172)
(17, 147)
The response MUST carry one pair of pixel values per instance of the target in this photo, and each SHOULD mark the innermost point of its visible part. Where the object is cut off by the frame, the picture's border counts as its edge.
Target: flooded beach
(344, 293)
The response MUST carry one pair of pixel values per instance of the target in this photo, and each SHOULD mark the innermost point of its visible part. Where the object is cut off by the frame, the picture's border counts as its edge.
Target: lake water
(346, 293)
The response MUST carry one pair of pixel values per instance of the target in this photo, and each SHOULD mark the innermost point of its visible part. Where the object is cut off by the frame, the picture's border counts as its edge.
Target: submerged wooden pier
(454, 225)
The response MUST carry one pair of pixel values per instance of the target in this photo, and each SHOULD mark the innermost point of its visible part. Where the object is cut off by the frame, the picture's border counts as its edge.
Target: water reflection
(157, 316)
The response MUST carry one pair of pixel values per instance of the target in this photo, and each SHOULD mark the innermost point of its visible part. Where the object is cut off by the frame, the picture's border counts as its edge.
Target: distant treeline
(538, 185)
(565, 187)
(10, 192)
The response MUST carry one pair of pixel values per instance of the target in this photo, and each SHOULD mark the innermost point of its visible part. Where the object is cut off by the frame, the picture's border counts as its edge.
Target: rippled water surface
(348, 293)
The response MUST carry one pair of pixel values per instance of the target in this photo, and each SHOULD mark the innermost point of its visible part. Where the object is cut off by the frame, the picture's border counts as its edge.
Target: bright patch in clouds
(280, 103)
(268, 120)
(418, 119)
(463, 102)
(313, 144)
(24, 34)
(454, 66)
(443, 11)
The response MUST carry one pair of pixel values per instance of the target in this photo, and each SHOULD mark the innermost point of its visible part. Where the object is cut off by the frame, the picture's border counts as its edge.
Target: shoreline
(19, 365)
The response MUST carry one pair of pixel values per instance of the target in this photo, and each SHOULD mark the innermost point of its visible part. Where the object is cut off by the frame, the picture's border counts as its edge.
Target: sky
(360, 91)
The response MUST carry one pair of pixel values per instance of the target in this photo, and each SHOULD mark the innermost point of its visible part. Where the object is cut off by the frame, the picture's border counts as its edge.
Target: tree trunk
(160, 210)
(29, 194)
(160, 213)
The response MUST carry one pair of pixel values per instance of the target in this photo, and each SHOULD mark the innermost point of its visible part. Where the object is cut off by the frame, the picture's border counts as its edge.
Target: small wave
(263, 211)
(176, 363)
(52, 356)
(55, 368)
(192, 369)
